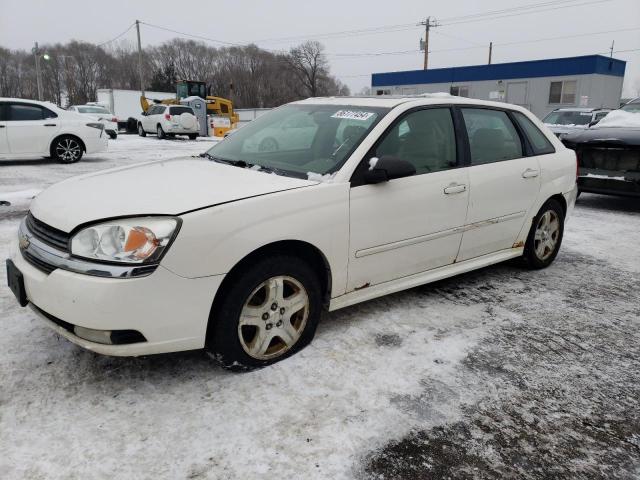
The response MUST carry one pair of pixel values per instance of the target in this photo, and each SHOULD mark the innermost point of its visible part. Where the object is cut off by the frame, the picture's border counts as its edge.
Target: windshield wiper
(235, 163)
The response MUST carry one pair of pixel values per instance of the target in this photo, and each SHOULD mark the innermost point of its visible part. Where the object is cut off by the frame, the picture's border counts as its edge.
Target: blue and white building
(593, 81)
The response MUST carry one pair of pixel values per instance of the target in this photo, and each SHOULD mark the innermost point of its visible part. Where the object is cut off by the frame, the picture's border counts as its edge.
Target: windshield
(93, 110)
(633, 107)
(300, 139)
(568, 118)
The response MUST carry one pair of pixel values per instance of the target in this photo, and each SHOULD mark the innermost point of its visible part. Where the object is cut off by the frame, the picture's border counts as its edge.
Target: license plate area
(15, 280)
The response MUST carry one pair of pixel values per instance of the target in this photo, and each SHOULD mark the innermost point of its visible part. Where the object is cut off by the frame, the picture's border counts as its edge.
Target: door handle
(530, 173)
(455, 188)
(50, 125)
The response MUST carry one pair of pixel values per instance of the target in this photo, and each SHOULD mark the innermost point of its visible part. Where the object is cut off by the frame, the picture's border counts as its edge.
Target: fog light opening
(96, 336)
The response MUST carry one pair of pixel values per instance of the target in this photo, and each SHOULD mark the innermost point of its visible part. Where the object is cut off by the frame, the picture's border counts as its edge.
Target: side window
(425, 138)
(3, 115)
(539, 142)
(46, 113)
(492, 136)
(21, 112)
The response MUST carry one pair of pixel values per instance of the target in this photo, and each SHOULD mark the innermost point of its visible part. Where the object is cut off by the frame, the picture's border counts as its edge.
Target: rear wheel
(141, 131)
(67, 149)
(545, 236)
(161, 134)
(269, 312)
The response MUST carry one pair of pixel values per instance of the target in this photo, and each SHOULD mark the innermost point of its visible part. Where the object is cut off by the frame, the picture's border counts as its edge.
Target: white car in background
(571, 119)
(168, 121)
(29, 128)
(239, 251)
(99, 114)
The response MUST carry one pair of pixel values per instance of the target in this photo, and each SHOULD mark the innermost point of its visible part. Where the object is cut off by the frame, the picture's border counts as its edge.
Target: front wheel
(141, 131)
(67, 150)
(269, 311)
(545, 236)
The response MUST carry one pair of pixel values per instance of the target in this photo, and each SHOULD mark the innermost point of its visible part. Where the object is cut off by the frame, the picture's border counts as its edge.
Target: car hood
(605, 135)
(170, 187)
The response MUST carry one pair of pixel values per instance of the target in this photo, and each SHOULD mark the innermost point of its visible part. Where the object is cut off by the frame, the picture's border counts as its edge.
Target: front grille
(610, 158)
(49, 235)
(38, 263)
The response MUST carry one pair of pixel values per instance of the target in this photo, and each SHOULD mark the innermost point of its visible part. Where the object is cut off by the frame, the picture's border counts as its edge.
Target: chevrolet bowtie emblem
(24, 242)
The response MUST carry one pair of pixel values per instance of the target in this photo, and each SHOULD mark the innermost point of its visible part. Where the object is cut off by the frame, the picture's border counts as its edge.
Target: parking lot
(499, 373)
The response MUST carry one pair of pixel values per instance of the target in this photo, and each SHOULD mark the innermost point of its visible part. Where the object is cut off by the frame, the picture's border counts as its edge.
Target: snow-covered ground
(500, 373)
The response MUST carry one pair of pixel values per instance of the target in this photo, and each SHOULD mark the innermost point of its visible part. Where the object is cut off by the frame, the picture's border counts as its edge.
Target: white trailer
(125, 104)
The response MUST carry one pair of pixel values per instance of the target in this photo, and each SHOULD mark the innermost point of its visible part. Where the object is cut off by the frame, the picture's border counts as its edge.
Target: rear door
(504, 182)
(30, 128)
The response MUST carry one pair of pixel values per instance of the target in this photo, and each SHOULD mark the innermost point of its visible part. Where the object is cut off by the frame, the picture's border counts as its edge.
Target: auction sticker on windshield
(353, 115)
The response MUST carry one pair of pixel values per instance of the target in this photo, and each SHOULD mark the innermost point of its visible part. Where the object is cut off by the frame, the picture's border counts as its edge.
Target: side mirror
(387, 168)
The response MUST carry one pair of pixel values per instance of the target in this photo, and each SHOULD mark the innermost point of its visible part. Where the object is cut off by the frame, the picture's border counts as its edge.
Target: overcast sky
(267, 23)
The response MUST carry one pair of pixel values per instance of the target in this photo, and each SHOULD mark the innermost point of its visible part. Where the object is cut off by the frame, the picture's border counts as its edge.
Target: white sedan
(99, 114)
(239, 251)
(41, 129)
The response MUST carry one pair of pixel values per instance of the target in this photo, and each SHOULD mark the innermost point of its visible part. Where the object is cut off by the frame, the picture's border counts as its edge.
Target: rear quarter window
(539, 142)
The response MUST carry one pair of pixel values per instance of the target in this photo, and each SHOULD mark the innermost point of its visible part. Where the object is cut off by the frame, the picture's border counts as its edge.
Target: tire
(239, 347)
(67, 149)
(268, 144)
(160, 132)
(544, 240)
(113, 136)
(193, 136)
(141, 131)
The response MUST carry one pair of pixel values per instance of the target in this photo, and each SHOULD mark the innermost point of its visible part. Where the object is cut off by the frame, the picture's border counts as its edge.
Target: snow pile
(316, 177)
(373, 162)
(620, 118)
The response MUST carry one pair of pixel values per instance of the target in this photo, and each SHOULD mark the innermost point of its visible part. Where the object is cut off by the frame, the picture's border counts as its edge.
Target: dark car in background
(609, 155)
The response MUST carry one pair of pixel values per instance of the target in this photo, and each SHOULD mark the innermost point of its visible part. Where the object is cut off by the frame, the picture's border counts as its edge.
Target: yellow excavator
(217, 106)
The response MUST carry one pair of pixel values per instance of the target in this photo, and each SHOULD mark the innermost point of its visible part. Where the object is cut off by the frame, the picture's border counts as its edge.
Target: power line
(200, 37)
(117, 37)
(503, 44)
(483, 18)
(530, 6)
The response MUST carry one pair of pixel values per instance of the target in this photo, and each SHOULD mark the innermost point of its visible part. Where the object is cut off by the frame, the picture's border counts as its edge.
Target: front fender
(213, 240)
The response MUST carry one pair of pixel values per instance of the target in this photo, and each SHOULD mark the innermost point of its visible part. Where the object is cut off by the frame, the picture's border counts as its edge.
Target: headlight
(129, 240)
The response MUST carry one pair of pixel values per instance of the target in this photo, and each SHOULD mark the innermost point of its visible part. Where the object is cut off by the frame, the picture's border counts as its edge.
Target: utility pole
(36, 52)
(140, 59)
(612, 44)
(428, 23)
(490, 51)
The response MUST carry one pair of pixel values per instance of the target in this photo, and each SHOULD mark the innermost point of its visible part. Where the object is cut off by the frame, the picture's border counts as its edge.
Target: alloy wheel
(273, 317)
(68, 150)
(546, 235)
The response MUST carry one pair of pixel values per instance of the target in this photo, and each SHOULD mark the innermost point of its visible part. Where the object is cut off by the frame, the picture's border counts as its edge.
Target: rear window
(538, 140)
(93, 110)
(180, 110)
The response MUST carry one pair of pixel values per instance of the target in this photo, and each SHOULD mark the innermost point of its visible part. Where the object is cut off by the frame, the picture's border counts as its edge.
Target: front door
(413, 224)
(504, 183)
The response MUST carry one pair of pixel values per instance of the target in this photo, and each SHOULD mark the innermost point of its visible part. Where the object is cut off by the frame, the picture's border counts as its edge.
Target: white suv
(168, 121)
(41, 129)
(239, 251)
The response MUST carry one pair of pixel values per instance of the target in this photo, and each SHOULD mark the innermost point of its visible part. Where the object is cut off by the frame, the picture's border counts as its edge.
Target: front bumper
(170, 311)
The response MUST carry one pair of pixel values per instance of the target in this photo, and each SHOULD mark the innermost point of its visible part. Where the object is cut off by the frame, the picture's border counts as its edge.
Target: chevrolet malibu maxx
(239, 250)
